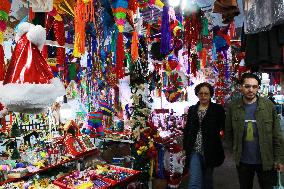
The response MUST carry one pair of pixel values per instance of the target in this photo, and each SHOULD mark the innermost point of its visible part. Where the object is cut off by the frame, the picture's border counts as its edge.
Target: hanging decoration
(5, 7)
(84, 12)
(134, 46)
(221, 40)
(119, 8)
(57, 26)
(220, 84)
(165, 32)
(29, 84)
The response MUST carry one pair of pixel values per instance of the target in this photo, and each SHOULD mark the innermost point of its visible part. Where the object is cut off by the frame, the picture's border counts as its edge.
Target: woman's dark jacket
(211, 125)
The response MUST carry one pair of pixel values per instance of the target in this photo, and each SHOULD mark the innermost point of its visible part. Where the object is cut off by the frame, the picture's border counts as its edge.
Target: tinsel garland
(134, 46)
(59, 33)
(165, 32)
(120, 72)
(2, 63)
(133, 5)
(203, 58)
(219, 91)
(194, 64)
(79, 23)
(5, 7)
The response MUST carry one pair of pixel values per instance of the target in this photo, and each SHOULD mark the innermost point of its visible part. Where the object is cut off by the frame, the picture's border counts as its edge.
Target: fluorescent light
(174, 3)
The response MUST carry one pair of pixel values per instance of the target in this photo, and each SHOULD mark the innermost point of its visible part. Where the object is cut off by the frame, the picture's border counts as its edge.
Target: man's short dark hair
(248, 76)
(204, 84)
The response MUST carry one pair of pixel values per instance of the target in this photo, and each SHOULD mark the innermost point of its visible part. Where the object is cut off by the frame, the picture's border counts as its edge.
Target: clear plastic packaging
(262, 15)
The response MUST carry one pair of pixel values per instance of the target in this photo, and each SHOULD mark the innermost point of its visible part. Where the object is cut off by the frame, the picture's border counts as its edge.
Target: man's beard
(250, 98)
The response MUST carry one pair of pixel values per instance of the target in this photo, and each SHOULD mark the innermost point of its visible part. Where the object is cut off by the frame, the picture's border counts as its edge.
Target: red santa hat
(29, 85)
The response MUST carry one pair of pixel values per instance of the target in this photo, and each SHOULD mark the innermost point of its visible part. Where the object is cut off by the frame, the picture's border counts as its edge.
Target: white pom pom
(37, 36)
(23, 29)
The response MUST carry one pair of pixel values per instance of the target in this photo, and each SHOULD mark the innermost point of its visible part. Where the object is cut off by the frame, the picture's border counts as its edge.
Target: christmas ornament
(29, 84)
(119, 8)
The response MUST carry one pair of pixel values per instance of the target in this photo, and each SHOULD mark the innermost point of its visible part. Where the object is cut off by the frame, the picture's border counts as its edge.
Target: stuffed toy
(29, 84)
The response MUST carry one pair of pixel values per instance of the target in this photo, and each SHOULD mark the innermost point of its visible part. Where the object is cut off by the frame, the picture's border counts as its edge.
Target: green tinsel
(113, 40)
(72, 71)
(205, 31)
(128, 60)
(198, 64)
(199, 46)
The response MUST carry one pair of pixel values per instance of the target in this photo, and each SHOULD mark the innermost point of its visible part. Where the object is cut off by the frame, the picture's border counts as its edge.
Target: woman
(202, 141)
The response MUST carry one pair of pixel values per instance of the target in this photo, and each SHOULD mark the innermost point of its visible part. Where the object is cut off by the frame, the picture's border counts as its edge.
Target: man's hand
(279, 167)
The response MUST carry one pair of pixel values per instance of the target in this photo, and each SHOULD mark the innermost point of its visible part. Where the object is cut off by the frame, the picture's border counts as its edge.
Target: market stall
(94, 93)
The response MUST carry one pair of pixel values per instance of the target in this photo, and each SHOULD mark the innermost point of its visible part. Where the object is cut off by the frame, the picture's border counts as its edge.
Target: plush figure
(94, 123)
(174, 163)
(29, 84)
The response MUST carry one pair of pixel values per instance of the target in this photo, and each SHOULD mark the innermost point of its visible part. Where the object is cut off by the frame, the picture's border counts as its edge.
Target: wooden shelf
(85, 154)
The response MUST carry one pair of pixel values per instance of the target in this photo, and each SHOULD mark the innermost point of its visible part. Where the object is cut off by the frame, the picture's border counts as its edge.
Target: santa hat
(29, 85)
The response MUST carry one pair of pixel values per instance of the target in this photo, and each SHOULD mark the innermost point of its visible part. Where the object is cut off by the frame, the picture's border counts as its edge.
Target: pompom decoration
(105, 108)
(165, 32)
(95, 122)
(119, 8)
(29, 84)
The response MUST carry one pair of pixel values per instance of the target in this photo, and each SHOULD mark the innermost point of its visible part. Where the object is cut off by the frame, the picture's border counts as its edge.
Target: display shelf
(134, 176)
(84, 154)
(111, 183)
(59, 182)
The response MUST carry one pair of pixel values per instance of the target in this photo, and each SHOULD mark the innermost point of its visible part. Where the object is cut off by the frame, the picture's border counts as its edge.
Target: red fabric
(2, 63)
(27, 65)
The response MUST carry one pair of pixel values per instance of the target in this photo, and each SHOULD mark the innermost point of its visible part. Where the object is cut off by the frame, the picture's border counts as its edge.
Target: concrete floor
(225, 176)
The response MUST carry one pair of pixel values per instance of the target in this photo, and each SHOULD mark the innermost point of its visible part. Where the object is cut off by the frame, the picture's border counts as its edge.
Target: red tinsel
(203, 57)
(134, 46)
(232, 30)
(59, 33)
(120, 56)
(133, 5)
(31, 14)
(2, 63)
(193, 28)
(219, 93)
(193, 65)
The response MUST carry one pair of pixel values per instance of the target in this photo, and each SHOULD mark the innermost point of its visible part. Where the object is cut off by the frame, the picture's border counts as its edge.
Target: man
(253, 131)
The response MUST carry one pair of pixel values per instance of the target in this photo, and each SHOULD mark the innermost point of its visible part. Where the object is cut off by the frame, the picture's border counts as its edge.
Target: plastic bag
(262, 15)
